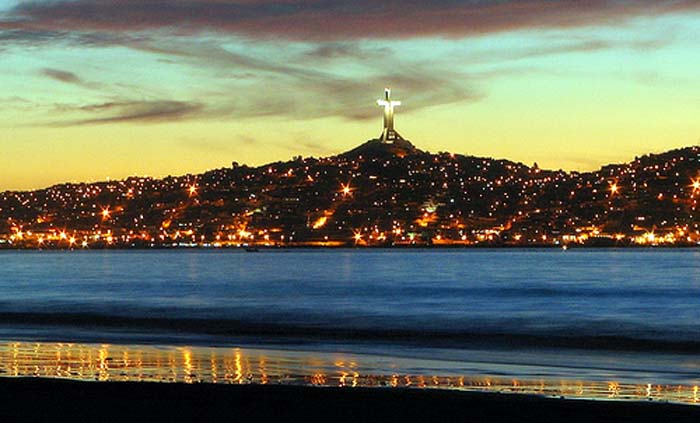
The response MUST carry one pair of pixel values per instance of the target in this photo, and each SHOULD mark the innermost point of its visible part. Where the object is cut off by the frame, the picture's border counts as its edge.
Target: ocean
(598, 323)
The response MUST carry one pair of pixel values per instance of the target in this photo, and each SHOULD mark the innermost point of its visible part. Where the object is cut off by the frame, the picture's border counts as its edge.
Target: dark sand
(50, 400)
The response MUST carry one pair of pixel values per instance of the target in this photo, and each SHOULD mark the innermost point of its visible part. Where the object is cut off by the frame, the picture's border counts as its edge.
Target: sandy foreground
(40, 399)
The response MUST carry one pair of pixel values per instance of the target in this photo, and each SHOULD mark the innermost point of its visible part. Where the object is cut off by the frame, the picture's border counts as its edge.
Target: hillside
(376, 194)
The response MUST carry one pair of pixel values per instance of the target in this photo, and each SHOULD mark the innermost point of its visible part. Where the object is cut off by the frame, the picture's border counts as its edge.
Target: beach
(379, 335)
(39, 399)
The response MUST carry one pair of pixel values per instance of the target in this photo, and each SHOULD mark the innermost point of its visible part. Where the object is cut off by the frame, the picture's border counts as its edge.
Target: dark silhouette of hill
(376, 148)
(389, 193)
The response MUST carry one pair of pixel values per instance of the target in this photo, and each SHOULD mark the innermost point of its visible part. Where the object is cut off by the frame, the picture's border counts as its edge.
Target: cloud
(332, 19)
(281, 88)
(248, 76)
(26, 37)
(344, 50)
(296, 89)
(62, 76)
(300, 88)
(15, 34)
(550, 46)
(16, 103)
(216, 56)
(133, 111)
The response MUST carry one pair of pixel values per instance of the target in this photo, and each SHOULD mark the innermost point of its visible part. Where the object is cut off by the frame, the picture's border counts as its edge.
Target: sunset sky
(91, 89)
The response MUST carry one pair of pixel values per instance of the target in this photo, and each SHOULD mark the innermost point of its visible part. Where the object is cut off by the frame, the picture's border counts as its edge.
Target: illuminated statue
(389, 135)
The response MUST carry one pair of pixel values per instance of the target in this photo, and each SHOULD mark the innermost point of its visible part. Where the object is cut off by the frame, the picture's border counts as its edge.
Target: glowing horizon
(98, 90)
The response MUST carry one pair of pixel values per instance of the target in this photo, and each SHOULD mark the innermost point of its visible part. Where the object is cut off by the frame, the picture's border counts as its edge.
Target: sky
(97, 89)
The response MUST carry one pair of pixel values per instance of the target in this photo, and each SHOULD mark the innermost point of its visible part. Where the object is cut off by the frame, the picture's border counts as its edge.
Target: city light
(357, 236)
(695, 185)
(345, 189)
(418, 199)
(320, 222)
(614, 189)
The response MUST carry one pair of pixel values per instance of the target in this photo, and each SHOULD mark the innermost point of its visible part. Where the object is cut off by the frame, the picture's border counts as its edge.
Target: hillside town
(380, 194)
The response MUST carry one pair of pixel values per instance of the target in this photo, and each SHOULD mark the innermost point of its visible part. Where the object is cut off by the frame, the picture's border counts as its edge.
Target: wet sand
(40, 399)
(248, 365)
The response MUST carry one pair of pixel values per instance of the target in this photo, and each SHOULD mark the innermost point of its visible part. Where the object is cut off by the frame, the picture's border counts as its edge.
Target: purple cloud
(331, 19)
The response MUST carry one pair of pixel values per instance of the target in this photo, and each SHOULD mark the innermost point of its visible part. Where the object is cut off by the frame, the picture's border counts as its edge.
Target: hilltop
(376, 148)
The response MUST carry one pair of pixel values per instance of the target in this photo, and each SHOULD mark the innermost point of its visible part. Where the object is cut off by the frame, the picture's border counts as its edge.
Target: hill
(376, 194)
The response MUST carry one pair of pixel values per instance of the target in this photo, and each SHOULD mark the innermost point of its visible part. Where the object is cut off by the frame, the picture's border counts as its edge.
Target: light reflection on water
(115, 363)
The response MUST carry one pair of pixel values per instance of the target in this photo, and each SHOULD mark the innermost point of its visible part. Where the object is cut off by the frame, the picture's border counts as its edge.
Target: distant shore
(9, 247)
(37, 399)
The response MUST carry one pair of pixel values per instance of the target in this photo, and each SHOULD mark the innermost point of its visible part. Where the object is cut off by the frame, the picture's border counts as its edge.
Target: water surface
(594, 316)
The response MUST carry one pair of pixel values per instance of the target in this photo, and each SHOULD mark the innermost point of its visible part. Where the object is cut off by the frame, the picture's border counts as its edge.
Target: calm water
(599, 316)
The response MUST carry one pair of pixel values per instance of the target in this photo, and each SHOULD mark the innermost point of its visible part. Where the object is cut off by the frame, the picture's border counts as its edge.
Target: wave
(282, 332)
(564, 291)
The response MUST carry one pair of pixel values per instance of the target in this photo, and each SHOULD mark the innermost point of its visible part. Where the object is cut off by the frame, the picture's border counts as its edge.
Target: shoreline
(503, 374)
(427, 247)
(41, 399)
